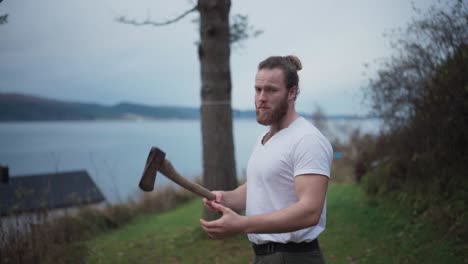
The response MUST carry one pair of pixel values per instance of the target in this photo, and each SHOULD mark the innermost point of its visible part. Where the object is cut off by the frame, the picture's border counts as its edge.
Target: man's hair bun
(295, 61)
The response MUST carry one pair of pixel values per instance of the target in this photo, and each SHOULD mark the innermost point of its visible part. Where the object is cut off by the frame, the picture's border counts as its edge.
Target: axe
(157, 161)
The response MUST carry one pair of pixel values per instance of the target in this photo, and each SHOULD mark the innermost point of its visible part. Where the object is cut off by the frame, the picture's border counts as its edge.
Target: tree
(216, 37)
(422, 95)
(218, 142)
(420, 51)
(319, 119)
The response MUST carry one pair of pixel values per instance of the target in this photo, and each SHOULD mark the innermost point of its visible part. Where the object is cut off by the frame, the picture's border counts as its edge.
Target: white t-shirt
(296, 150)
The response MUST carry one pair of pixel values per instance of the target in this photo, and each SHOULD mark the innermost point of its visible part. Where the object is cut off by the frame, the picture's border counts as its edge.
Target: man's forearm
(236, 198)
(292, 218)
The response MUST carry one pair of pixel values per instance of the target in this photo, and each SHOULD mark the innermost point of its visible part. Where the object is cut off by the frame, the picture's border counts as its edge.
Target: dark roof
(48, 191)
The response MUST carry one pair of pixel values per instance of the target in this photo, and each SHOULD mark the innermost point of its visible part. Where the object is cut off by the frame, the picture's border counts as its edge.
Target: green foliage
(380, 230)
(374, 181)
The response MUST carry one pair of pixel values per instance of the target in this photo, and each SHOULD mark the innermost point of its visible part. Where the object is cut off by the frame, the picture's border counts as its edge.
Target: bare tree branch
(148, 22)
(241, 30)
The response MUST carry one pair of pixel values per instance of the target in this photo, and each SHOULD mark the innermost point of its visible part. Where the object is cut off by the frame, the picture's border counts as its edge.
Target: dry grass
(42, 237)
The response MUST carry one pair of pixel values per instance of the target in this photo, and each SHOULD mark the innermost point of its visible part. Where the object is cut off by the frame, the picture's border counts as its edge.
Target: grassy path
(358, 231)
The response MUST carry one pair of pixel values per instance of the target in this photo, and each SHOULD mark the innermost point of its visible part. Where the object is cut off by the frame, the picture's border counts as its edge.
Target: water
(114, 152)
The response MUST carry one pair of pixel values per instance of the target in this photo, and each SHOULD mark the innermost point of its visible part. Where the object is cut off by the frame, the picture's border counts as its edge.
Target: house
(26, 201)
(41, 192)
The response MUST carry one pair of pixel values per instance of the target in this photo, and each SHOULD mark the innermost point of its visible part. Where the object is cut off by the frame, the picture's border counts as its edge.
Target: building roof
(48, 191)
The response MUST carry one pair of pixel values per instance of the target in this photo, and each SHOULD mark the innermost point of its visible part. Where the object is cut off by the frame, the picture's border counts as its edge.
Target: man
(287, 176)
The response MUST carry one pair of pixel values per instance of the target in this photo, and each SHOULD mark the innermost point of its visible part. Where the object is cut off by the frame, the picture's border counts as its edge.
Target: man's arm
(311, 191)
(234, 199)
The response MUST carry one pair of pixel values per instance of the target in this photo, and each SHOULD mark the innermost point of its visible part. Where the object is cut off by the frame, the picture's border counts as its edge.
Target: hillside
(22, 107)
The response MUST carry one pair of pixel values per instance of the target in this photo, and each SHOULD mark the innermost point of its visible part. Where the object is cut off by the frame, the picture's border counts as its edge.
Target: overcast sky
(74, 50)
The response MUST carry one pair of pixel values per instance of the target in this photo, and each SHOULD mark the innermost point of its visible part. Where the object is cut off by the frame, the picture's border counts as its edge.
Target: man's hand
(229, 224)
(218, 199)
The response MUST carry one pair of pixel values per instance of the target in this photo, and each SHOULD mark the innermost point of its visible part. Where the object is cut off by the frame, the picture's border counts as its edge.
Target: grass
(359, 230)
(363, 230)
(173, 237)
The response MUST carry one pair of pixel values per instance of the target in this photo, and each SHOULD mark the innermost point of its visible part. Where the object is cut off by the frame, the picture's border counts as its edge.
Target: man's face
(271, 96)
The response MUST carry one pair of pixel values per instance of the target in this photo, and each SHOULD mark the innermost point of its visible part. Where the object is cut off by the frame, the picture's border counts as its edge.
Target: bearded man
(284, 196)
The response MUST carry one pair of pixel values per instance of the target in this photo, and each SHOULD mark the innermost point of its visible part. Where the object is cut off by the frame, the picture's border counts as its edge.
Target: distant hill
(23, 107)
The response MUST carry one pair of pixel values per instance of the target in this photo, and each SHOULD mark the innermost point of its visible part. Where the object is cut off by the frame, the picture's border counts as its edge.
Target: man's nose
(261, 96)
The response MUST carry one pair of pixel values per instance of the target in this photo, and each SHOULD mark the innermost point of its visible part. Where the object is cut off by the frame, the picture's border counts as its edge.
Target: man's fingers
(213, 231)
(208, 204)
(210, 224)
(203, 222)
(218, 207)
(218, 198)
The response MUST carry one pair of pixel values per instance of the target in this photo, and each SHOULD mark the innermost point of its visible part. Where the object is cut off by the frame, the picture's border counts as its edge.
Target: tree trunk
(216, 113)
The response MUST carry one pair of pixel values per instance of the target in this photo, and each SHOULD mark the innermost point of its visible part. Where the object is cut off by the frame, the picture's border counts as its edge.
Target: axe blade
(154, 161)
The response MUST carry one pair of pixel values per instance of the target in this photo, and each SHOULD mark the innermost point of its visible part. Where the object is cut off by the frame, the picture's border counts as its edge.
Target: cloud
(74, 50)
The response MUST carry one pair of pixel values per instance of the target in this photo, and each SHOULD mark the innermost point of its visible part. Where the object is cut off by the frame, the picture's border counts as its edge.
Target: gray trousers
(312, 257)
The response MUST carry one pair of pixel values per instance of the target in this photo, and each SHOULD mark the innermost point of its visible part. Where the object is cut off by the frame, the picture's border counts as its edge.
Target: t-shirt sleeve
(313, 154)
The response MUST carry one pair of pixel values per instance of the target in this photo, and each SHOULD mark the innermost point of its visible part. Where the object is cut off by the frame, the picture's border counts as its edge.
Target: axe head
(154, 162)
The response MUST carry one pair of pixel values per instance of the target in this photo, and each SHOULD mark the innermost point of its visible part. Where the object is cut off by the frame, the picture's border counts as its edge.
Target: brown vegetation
(57, 239)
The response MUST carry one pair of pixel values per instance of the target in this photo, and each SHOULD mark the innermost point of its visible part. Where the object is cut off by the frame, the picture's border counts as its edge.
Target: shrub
(421, 94)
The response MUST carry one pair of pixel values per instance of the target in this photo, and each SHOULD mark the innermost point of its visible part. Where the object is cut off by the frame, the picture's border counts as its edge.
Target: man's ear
(292, 93)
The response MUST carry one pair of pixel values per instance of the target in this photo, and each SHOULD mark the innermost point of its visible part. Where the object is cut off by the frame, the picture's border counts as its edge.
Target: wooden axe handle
(168, 170)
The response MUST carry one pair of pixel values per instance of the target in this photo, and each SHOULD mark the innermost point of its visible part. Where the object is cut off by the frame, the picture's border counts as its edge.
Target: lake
(114, 152)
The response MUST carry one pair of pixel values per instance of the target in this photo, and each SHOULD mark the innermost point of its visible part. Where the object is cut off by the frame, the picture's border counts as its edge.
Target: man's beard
(275, 116)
